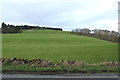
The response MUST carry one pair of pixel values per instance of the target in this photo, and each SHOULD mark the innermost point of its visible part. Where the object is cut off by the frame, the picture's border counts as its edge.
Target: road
(61, 77)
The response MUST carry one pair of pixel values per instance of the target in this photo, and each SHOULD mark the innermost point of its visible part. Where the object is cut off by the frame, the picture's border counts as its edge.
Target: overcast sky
(67, 14)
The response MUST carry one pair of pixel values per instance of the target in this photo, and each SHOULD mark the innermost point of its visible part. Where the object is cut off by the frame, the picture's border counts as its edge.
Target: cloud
(67, 14)
(110, 24)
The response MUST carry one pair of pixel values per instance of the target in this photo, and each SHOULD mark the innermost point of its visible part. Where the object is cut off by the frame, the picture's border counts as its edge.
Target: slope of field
(58, 45)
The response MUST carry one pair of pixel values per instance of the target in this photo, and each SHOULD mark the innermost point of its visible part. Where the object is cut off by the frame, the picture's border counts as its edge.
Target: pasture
(57, 45)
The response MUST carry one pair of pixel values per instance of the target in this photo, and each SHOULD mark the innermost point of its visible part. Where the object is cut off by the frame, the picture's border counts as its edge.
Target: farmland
(57, 45)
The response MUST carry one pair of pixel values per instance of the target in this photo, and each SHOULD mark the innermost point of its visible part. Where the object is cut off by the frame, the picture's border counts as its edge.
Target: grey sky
(67, 14)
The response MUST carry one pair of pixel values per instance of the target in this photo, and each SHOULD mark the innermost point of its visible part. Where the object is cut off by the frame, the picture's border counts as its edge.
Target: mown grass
(58, 45)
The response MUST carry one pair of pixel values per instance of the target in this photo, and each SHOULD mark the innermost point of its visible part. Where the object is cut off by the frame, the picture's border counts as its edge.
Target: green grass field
(58, 45)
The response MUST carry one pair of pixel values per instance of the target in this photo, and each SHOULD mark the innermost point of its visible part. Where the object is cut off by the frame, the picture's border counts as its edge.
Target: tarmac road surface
(99, 76)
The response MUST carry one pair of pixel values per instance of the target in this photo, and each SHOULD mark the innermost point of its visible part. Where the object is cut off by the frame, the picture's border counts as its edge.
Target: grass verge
(58, 69)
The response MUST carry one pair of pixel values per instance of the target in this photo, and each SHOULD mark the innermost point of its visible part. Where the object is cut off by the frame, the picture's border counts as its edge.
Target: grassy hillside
(58, 45)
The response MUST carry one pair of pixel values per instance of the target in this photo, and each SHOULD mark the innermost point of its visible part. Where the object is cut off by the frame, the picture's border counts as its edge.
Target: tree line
(6, 28)
(28, 27)
(10, 28)
(98, 33)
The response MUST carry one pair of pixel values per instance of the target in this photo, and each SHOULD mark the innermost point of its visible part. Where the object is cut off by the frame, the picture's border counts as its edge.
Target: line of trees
(10, 28)
(28, 27)
(18, 28)
(98, 33)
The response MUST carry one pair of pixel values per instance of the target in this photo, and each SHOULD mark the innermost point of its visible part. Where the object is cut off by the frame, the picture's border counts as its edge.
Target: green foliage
(10, 28)
(60, 69)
